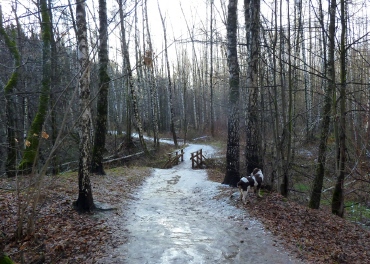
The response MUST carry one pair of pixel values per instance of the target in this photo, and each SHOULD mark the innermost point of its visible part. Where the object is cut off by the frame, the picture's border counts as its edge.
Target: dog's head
(257, 173)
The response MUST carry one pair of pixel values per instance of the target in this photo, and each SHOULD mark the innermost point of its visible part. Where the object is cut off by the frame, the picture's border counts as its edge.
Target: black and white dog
(254, 180)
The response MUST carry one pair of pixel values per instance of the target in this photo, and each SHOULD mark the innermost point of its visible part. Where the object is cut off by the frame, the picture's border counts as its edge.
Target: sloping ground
(315, 236)
(61, 234)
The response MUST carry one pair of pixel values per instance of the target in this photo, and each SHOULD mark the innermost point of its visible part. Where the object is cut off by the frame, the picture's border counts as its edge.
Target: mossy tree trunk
(102, 102)
(34, 134)
(10, 165)
(232, 152)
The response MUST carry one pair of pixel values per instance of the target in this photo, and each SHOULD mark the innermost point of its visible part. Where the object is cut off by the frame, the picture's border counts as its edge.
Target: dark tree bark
(10, 165)
(288, 124)
(102, 102)
(54, 81)
(34, 134)
(337, 206)
(232, 153)
(325, 123)
(253, 132)
(85, 202)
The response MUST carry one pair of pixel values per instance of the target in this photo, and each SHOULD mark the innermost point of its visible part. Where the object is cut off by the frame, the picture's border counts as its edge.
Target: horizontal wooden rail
(197, 159)
(174, 160)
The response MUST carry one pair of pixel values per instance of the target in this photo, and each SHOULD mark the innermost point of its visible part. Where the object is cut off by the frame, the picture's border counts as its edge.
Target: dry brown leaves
(316, 236)
(62, 235)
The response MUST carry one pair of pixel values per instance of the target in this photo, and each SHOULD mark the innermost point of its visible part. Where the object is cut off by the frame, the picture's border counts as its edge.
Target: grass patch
(357, 212)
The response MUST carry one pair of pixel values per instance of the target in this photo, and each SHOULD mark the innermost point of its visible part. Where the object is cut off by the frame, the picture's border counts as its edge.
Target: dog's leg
(245, 195)
(241, 193)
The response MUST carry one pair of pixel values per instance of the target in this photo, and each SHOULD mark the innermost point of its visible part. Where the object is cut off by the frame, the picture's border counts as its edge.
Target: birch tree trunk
(232, 152)
(10, 165)
(128, 71)
(149, 63)
(327, 108)
(172, 112)
(85, 200)
(102, 102)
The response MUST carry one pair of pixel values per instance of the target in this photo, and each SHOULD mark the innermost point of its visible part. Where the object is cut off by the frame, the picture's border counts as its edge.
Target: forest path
(175, 220)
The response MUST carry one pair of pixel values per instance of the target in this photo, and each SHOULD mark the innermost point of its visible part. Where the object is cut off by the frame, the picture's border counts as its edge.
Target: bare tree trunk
(149, 63)
(337, 205)
(85, 200)
(288, 128)
(130, 81)
(211, 74)
(102, 102)
(327, 108)
(54, 82)
(253, 129)
(173, 130)
(232, 153)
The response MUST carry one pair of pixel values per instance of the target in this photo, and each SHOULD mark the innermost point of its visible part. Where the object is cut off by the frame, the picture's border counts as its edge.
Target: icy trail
(175, 220)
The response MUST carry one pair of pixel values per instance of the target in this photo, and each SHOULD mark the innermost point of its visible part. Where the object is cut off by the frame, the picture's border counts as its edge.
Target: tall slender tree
(85, 200)
(211, 71)
(102, 102)
(149, 63)
(337, 205)
(232, 153)
(130, 80)
(172, 111)
(315, 197)
(253, 133)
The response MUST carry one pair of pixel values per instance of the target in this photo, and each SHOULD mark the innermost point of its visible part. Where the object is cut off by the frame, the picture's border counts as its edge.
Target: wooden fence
(174, 160)
(197, 159)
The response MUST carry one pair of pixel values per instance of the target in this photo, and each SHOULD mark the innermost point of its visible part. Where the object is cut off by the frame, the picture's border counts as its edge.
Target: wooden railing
(197, 159)
(174, 160)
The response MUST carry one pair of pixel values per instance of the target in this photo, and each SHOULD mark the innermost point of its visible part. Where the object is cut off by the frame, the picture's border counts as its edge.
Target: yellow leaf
(45, 135)
(27, 143)
(35, 134)
(16, 140)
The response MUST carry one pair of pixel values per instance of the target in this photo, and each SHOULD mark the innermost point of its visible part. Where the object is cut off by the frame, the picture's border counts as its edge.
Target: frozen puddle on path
(175, 220)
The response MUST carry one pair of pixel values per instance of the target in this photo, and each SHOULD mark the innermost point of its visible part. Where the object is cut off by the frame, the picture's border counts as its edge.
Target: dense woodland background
(300, 105)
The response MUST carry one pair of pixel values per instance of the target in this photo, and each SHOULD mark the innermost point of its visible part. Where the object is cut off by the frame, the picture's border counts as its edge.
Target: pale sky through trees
(197, 17)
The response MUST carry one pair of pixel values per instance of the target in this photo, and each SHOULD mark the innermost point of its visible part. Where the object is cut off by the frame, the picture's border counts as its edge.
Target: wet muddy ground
(174, 219)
